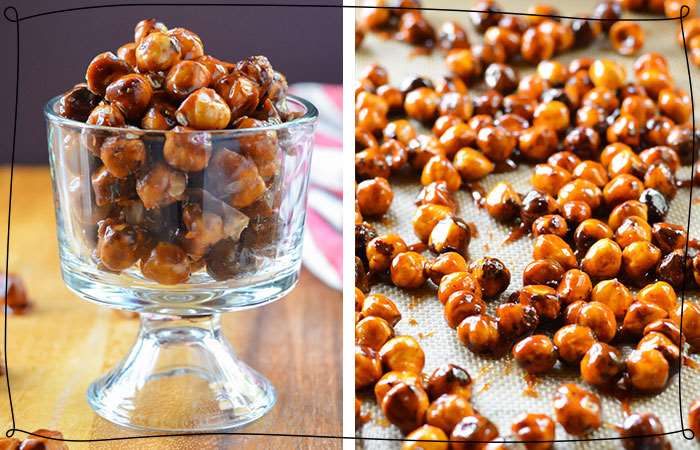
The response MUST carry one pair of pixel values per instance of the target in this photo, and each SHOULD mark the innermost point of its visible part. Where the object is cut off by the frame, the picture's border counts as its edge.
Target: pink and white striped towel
(323, 240)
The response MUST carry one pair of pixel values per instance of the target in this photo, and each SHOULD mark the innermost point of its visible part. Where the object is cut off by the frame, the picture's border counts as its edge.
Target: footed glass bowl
(180, 227)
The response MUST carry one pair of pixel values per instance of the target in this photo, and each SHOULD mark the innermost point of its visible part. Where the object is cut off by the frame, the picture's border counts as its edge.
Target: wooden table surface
(64, 343)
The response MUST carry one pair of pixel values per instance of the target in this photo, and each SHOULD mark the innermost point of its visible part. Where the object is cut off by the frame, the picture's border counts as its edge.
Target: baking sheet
(500, 389)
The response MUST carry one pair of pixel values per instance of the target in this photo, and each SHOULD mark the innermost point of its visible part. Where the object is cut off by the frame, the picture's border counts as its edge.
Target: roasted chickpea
(609, 12)
(660, 178)
(549, 178)
(589, 232)
(543, 271)
(444, 123)
(402, 353)
(158, 51)
(460, 305)
(660, 293)
(503, 202)
(378, 305)
(591, 171)
(522, 104)
(661, 154)
(405, 405)
(187, 150)
(553, 114)
(422, 148)
(426, 433)
(495, 142)
(160, 115)
(479, 333)
(382, 250)
(444, 264)
(408, 270)
(372, 332)
(574, 286)
(166, 264)
(577, 409)
(204, 109)
(472, 165)
(121, 157)
(452, 35)
(436, 193)
(439, 168)
(603, 259)
(14, 293)
(491, 274)
(427, 216)
(661, 342)
(391, 379)
(673, 268)
(401, 130)
(457, 281)
(471, 431)
(643, 431)
(566, 160)
(647, 370)
(581, 190)
(537, 45)
(551, 246)
(463, 63)
(584, 142)
(627, 38)
(653, 80)
(639, 315)
(501, 77)
(456, 137)
(457, 105)
(374, 197)
(622, 188)
(422, 104)
(543, 298)
(600, 318)
(614, 295)
(632, 229)
(119, 245)
(515, 320)
(602, 365)
(531, 428)
(486, 14)
(104, 69)
(449, 379)
(361, 275)
(236, 176)
(535, 354)
(161, 186)
(447, 410)
(573, 341)
(626, 162)
(450, 234)
(690, 311)
(550, 224)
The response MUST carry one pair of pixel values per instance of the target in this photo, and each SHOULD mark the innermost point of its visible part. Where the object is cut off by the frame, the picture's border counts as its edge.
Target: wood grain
(64, 343)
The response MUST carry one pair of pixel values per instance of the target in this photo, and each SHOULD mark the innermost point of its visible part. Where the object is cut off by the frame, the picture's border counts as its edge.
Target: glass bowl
(180, 227)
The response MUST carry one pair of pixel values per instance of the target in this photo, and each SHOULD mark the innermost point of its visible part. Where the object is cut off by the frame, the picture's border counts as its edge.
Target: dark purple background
(303, 43)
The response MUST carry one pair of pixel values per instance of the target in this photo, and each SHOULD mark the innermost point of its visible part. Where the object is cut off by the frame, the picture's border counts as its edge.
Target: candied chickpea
(401, 130)
(625, 210)
(422, 148)
(160, 115)
(457, 281)
(447, 410)
(656, 203)
(161, 186)
(392, 96)
(449, 379)
(375, 74)
(632, 229)
(550, 224)
(439, 168)
(522, 104)
(609, 11)
(479, 334)
(600, 318)
(456, 104)
(674, 103)
(543, 271)
(408, 270)
(626, 129)
(553, 247)
(190, 44)
(426, 433)
(422, 104)
(391, 379)
(503, 202)
(373, 332)
(456, 137)
(436, 193)
(668, 237)
(536, 354)
(614, 295)
(531, 428)
(426, 217)
(103, 70)
(603, 259)
(626, 162)
(452, 35)
(627, 38)
(580, 190)
(661, 154)
(472, 165)
(583, 141)
(460, 305)
(444, 123)
(402, 353)
(241, 94)
(491, 275)
(504, 37)
(591, 171)
(450, 234)
(549, 178)
(589, 232)
(501, 77)
(374, 197)
(622, 188)
(378, 305)
(553, 114)
(382, 250)
(643, 431)
(166, 264)
(607, 73)
(574, 286)
(515, 320)
(119, 245)
(405, 405)
(185, 149)
(471, 431)
(157, 51)
(639, 315)
(660, 178)
(486, 13)
(536, 45)
(661, 342)
(495, 142)
(204, 109)
(602, 365)
(538, 143)
(566, 160)
(370, 163)
(122, 157)
(647, 370)
(573, 341)
(462, 63)
(577, 409)
(444, 264)
(660, 294)
(690, 311)
(654, 80)
(543, 298)
(16, 291)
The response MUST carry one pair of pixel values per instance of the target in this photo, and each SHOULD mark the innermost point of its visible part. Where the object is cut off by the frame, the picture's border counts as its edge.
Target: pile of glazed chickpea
(149, 202)
(605, 150)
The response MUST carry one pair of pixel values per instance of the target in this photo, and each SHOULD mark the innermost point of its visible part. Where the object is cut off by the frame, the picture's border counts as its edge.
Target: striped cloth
(323, 242)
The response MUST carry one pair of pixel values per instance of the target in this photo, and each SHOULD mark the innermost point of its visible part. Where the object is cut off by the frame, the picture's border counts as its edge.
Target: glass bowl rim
(309, 117)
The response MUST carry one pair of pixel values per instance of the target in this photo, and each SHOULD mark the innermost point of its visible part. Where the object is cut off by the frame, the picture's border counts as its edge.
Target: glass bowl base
(181, 376)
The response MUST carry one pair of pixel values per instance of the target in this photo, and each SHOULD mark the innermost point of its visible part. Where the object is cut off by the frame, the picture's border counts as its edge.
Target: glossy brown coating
(405, 405)
(426, 217)
(161, 186)
(574, 286)
(472, 165)
(543, 298)
(479, 334)
(472, 430)
(627, 38)
(573, 341)
(444, 264)
(536, 354)
(185, 77)
(439, 168)
(644, 431)
(426, 433)
(551, 246)
(237, 176)
(379, 305)
(491, 274)
(447, 410)
(589, 232)
(577, 409)
(602, 365)
(549, 178)
(402, 353)
(373, 332)
(603, 259)
(204, 109)
(191, 46)
(503, 202)
(647, 370)
(187, 150)
(77, 103)
(157, 51)
(166, 264)
(382, 249)
(103, 70)
(374, 197)
(532, 427)
(449, 379)
(460, 305)
(614, 294)
(407, 270)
